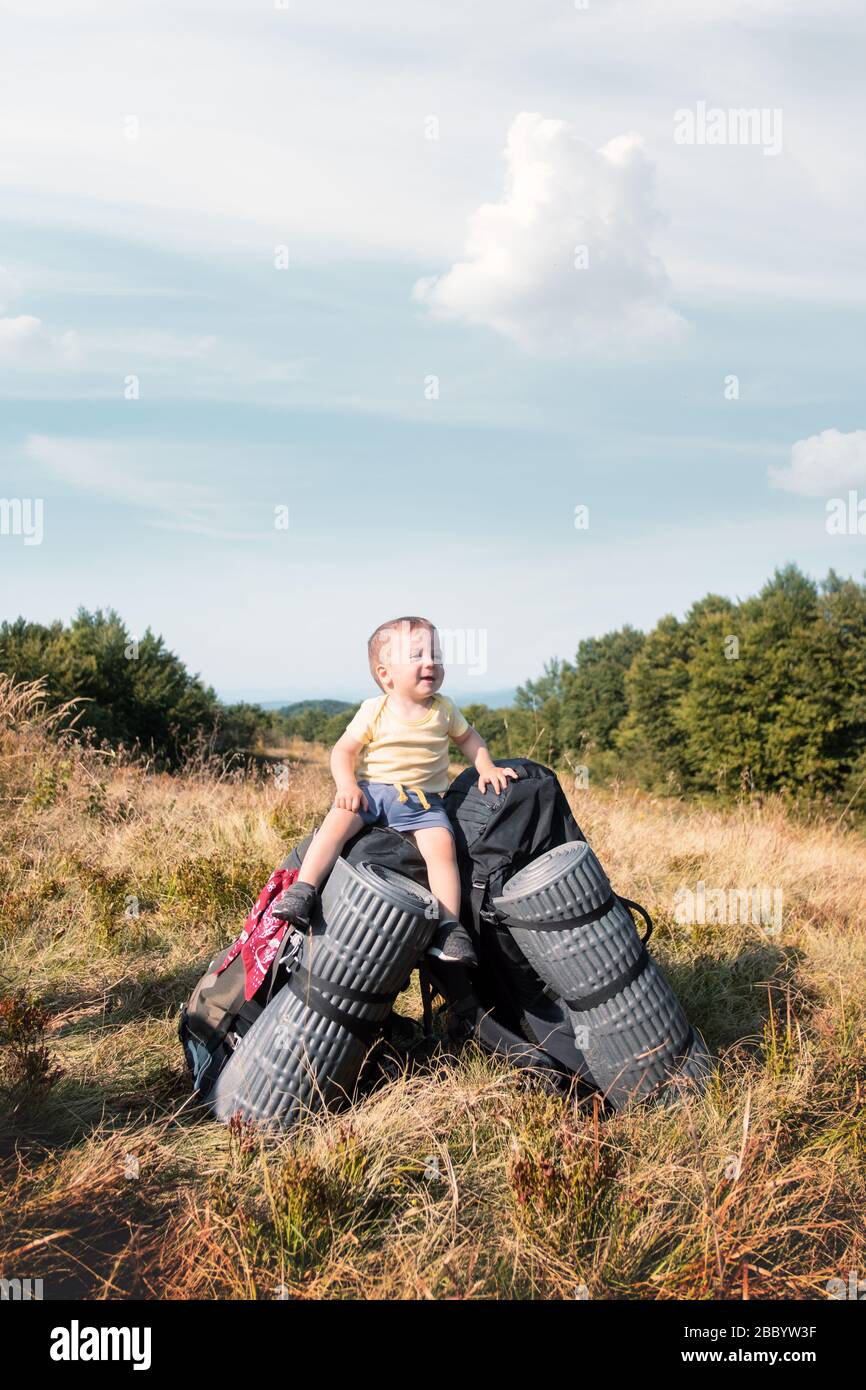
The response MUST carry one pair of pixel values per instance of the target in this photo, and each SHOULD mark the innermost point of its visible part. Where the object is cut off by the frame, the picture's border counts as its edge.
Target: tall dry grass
(451, 1177)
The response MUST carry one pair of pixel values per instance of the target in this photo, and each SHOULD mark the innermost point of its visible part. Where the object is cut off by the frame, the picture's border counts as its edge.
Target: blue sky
(409, 258)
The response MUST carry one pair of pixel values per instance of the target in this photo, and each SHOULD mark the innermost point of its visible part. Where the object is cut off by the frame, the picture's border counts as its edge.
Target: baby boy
(391, 768)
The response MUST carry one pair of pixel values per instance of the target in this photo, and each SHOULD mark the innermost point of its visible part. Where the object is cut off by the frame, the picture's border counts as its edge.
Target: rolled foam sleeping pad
(581, 939)
(307, 1047)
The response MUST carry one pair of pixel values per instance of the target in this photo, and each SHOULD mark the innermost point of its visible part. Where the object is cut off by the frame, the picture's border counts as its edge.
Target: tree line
(762, 694)
(132, 692)
(767, 693)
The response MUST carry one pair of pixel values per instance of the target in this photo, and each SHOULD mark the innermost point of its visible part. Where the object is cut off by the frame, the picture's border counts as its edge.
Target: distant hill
(494, 699)
(323, 706)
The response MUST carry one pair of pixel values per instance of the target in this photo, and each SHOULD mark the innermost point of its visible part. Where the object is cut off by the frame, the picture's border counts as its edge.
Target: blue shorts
(385, 808)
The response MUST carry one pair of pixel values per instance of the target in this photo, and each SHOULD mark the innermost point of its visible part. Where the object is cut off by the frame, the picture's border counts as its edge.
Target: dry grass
(456, 1179)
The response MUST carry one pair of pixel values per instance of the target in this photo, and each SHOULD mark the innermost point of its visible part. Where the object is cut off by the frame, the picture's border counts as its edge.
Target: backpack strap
(427, 990)
(477, 898)
(563, 924)
(601, 996)
(636, 907)
(289, 935)
(311, 990)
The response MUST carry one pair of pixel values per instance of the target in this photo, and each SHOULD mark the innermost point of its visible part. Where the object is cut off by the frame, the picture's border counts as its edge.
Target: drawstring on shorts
(401, 795)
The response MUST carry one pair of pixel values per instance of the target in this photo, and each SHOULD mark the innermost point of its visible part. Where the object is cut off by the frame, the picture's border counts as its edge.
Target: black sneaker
(295, 905)
(452, 942)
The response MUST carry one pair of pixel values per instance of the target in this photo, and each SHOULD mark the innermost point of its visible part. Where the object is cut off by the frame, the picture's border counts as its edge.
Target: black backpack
(503, 1003)
(498, 834)
(376, 845)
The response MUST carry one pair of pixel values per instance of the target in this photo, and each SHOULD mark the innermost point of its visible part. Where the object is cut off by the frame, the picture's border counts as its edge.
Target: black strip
(426, 987)
(494, 1037)
(358, 996)
(363, 1028)
(636, 907)
(568, 922)
(477, 896)
(247, 1013)
(588, 917)
(601, 996)
(289, 937)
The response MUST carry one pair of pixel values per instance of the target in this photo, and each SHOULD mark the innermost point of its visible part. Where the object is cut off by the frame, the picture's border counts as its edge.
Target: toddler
(391, 768)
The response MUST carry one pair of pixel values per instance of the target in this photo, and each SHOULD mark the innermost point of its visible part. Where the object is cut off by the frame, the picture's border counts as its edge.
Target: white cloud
(824, 463)
(564, 258)
(25, 340)
(321, 142)
(27, 343)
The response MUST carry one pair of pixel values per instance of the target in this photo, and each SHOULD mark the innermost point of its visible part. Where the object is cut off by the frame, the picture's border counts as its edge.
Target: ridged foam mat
(582, 941)
(304, 1051)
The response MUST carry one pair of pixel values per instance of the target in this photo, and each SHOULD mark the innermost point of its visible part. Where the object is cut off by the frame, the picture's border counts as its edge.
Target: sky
(313, 314)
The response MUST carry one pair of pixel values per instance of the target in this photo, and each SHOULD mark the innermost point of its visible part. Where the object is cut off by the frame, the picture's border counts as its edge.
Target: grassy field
(454, 1178)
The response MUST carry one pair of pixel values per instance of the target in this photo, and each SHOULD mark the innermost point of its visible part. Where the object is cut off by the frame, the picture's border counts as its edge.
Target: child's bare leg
(437, 848)
(295, 904)
(337, 827)
(451, 941)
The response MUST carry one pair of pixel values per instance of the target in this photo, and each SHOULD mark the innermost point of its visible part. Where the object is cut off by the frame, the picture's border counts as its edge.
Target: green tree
(532, 727)
(650, 738)
(787, 712)
(534, 695)
(593, 694)
(490, 724)
(337, 724)
(131, 690)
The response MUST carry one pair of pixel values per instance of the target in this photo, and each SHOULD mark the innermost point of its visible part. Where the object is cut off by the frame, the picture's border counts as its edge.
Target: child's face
(413, 664)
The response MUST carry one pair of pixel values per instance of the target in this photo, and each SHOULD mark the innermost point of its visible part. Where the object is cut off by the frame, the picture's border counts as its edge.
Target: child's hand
(497, 778)
(350, 798)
